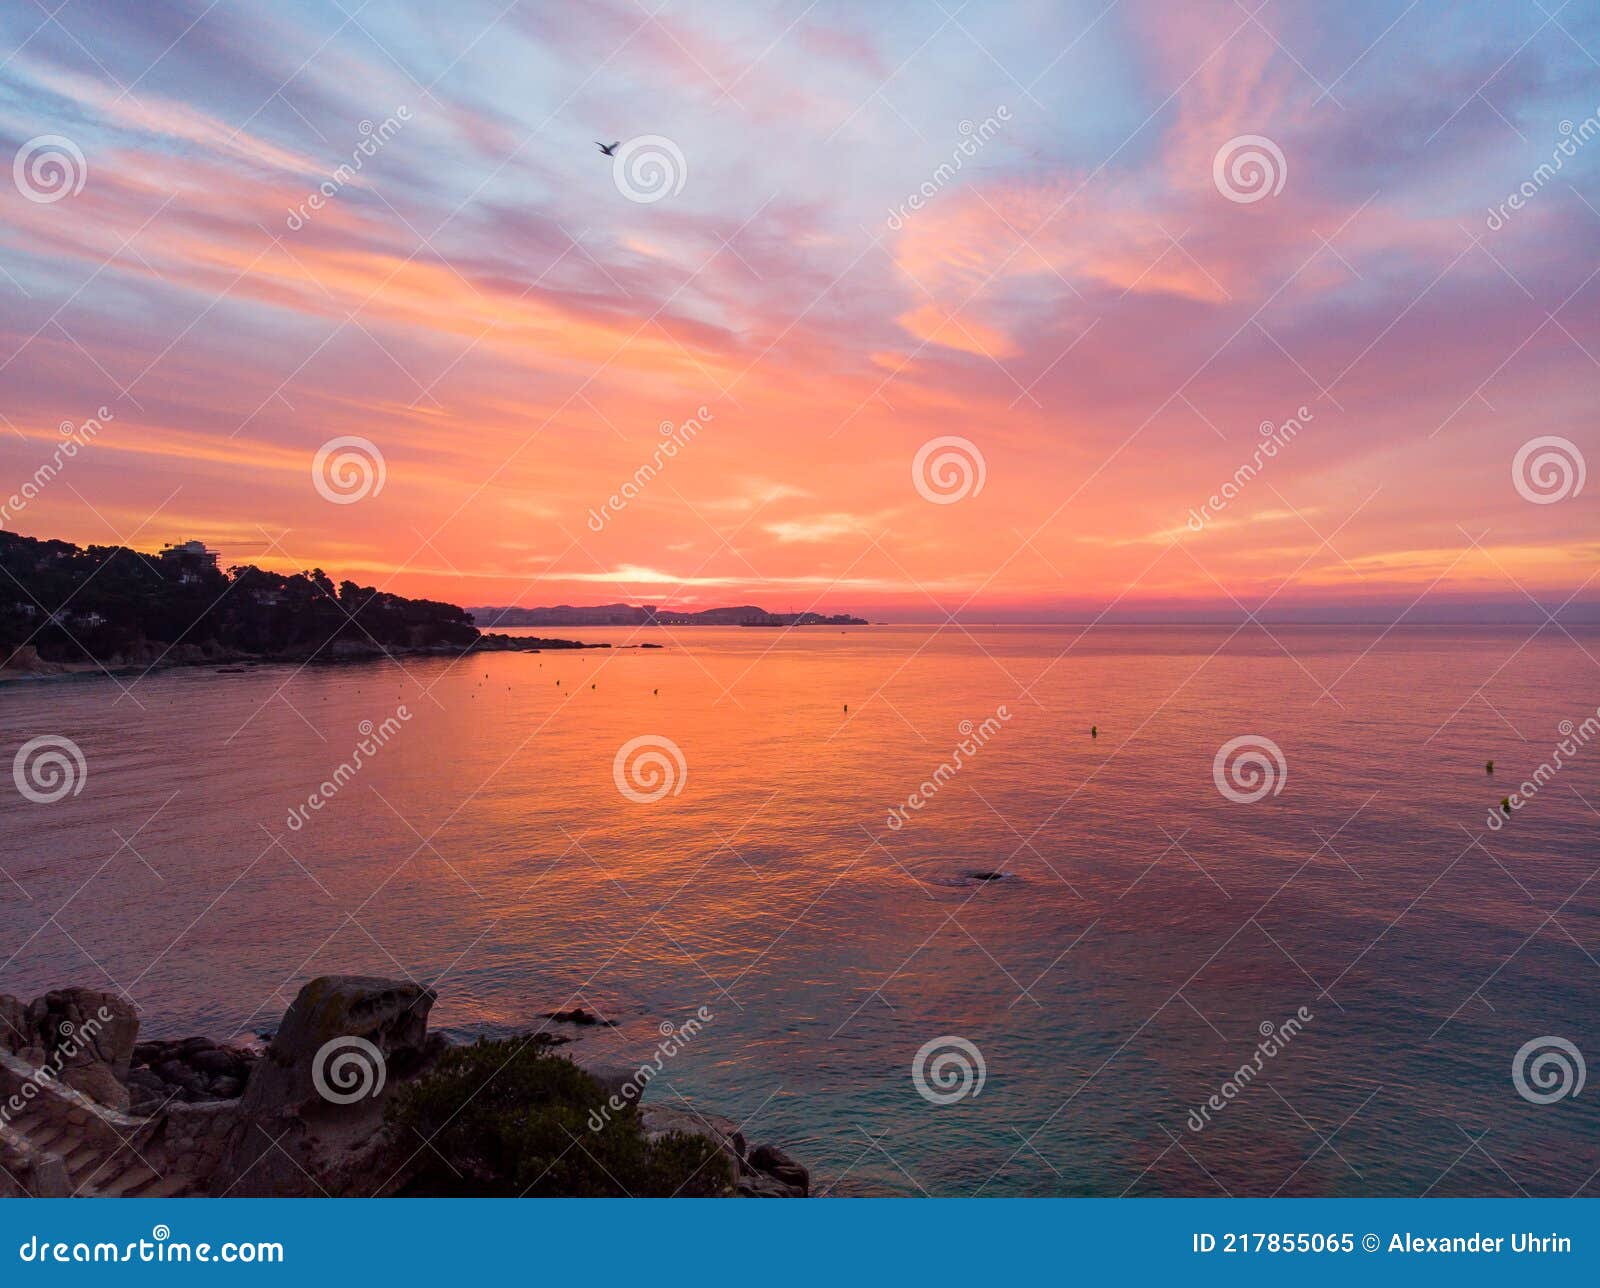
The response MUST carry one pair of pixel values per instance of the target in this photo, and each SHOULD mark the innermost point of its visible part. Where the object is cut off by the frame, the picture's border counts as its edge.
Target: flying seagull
(610, 149)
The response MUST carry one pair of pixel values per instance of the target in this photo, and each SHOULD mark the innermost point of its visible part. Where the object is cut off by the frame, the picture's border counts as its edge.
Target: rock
(214, 1062)
(758, 1185)
(577, 1015)
(227, 1088)
(775, 1163)
(311, 1113)
(84, 1036)
(659, 1119)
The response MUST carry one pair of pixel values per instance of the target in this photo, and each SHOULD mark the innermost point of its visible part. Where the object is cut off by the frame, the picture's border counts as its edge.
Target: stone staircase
(60, 1144)
(89, 1170)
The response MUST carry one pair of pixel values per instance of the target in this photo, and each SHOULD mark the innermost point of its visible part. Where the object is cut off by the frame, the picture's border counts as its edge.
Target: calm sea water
(1111, 982)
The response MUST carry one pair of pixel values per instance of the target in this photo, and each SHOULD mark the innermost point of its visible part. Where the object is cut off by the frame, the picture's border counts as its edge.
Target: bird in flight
(610, 149)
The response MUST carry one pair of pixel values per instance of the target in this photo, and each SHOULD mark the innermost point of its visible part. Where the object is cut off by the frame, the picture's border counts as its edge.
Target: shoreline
(90, 1109)
(234, 661)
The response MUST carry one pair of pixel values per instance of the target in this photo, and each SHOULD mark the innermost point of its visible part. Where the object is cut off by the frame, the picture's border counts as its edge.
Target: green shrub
(504, 1119)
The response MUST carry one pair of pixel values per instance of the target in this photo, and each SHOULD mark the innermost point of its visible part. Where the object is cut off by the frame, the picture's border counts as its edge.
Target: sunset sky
(1079, 299)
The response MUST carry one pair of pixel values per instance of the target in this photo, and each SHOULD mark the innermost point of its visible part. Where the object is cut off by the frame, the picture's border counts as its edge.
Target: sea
(954, 909)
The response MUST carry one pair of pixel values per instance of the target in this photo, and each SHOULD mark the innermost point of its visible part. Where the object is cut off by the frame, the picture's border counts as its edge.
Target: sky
(912, 310)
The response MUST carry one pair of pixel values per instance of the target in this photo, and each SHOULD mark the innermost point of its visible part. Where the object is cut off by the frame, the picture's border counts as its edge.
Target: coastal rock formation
(311, 1118)
(306, 1117)
(191, 1070)
(763, 1172)
(85, 1037)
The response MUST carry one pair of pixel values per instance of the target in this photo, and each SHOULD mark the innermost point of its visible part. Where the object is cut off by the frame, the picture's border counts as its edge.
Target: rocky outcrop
(189, 1071)
(309, 1121)
(762, 1172)
(83, 1036)
(311, 1118)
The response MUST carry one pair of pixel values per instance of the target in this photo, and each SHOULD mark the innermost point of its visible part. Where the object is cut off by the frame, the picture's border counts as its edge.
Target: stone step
(126, 1183)
(39, 1130)
(171, 1186)
(78, 1153)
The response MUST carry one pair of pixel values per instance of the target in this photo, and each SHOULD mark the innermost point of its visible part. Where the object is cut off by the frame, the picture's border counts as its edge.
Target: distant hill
(649, 615)
(65, 604)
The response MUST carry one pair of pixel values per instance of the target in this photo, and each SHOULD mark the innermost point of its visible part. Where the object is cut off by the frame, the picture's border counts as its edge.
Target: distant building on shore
(190, 558)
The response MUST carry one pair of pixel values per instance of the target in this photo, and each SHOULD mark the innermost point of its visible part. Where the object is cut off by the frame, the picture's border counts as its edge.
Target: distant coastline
(650, 615)
(109, 609)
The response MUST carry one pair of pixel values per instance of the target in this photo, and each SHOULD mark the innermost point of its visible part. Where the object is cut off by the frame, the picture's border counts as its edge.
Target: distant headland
(65, 608)
(650, 615)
